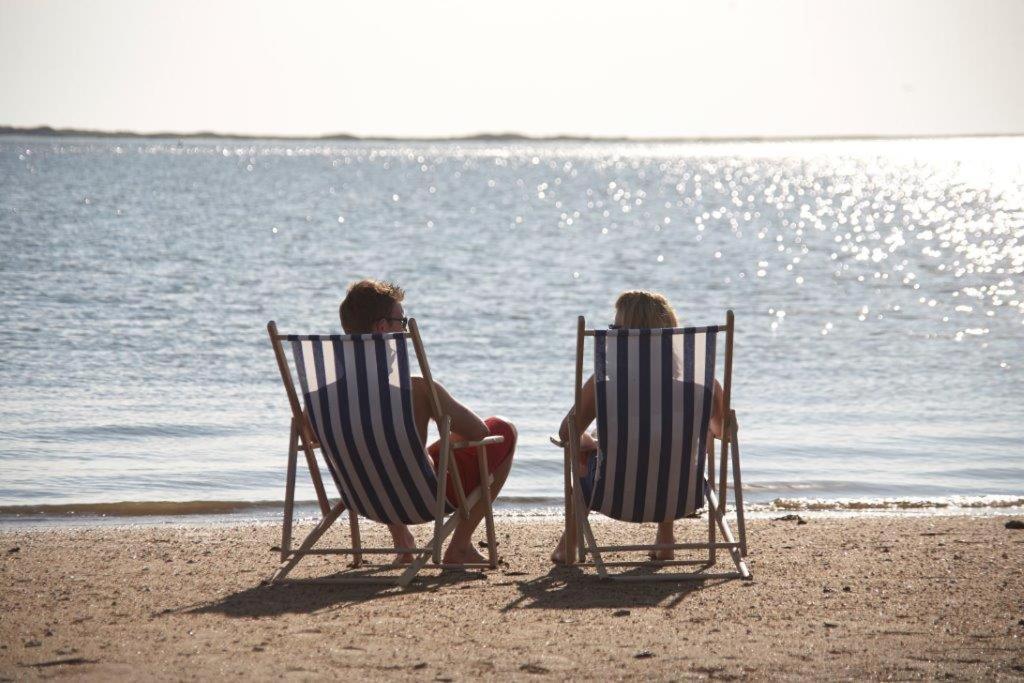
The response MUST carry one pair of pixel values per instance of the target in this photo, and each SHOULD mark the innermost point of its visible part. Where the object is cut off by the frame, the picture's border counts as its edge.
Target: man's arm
(465, 423)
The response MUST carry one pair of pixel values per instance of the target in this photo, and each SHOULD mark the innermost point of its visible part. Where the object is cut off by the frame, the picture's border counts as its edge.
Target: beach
(227, 260)
(855, 597)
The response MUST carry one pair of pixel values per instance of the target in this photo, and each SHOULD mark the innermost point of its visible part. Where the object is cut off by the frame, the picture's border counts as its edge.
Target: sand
(863, 597)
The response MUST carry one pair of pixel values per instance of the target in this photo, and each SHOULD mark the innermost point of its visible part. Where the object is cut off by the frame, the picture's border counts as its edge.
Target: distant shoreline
(47, 131)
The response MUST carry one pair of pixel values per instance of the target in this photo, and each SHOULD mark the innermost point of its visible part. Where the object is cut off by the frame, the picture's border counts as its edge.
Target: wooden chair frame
(302, 436)
(580, 536)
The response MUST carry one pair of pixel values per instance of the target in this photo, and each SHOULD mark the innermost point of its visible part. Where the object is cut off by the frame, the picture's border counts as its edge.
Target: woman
(634, 309)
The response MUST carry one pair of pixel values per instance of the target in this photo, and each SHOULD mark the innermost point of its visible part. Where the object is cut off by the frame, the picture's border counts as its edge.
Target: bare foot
(403, 539)
(465, 555)
(664, 553)
(558, 554)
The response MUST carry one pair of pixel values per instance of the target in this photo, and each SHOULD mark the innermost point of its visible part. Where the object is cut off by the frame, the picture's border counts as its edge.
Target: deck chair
(357, 392)
(655, 463)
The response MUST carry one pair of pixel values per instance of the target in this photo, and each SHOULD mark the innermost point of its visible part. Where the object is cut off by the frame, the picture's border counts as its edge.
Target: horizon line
(49, 131)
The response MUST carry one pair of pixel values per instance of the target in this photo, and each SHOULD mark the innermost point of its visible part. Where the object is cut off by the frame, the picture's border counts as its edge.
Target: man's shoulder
(420, 387)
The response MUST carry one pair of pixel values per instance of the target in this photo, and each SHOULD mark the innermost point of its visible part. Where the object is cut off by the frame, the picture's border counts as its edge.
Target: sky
(642, 68)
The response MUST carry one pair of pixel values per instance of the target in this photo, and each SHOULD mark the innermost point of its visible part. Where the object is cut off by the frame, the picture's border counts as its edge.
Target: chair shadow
(576, 588)
(303, 596)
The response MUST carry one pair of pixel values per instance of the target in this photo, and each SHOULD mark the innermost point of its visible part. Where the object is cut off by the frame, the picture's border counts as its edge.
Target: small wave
(948, 503)
(141, 508)
(136, 431)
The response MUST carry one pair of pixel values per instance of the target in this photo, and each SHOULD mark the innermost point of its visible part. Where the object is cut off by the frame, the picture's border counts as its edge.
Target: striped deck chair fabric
(358, 395)
(654, 390)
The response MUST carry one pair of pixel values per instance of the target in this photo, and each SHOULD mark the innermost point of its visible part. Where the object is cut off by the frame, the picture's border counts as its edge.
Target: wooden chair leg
(583, 524)
(712, 550)
(442, 478)
(314, 474)
(289, 492)
(737, 485)
(569, 532)
(734, 553)
(571, 538)
(723, 475)
(353, 526)
(308, 543)
(460, 492)
(485, 493)
(581, 549)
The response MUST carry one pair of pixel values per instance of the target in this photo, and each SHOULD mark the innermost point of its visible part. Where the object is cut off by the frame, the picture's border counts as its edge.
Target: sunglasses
(404, 322)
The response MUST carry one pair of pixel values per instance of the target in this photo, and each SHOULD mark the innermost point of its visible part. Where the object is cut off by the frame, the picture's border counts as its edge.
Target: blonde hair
(640, 308)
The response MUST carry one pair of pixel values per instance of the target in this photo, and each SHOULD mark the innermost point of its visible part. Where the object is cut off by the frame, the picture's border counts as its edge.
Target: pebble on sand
(531, 668)
(791, 518)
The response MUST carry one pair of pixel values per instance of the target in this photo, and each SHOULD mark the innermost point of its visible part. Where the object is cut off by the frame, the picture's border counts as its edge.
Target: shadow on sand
(560, 588)
(298, 596)
(576, 588)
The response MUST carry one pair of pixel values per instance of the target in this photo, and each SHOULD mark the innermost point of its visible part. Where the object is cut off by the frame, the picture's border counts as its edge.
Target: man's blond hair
(640, 308)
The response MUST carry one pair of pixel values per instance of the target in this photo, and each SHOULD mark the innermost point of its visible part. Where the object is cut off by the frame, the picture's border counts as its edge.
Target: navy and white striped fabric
(654, 401)
(358, 395)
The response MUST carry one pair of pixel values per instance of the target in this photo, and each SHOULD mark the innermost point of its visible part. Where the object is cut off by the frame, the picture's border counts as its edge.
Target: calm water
(877, 288)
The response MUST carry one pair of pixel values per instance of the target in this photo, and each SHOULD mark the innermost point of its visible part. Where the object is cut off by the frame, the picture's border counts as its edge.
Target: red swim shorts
(466, 460)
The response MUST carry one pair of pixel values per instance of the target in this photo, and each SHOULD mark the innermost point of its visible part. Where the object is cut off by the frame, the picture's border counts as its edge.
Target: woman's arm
(587, 413)
(717, 411)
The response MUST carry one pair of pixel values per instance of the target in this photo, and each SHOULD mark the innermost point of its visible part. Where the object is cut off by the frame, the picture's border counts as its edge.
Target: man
(374, 306)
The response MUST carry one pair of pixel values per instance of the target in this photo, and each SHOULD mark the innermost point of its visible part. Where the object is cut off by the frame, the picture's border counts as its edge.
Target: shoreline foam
(133, 508)
(238, 513)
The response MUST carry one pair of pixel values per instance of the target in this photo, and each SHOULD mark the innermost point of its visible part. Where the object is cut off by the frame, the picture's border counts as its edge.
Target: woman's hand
(587, 443)
(563, 430)
(588, 450)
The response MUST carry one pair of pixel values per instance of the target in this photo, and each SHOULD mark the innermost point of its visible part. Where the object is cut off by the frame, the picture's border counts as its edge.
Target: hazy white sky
(637, 68)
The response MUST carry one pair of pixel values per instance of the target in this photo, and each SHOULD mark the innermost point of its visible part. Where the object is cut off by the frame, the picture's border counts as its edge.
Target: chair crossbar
(486, 441)
(665, 330)
(339, 337)
(650, 563)
(697, 576)
(360, 551)
(666, 546)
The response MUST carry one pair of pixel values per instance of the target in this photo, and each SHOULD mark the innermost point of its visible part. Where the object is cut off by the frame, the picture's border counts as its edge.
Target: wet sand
(856, 597)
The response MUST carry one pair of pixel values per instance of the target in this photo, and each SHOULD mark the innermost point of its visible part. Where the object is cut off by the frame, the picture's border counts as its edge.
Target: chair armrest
(486, 441)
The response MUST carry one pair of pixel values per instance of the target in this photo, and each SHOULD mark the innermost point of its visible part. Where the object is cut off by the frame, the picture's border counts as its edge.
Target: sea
(877, 286)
